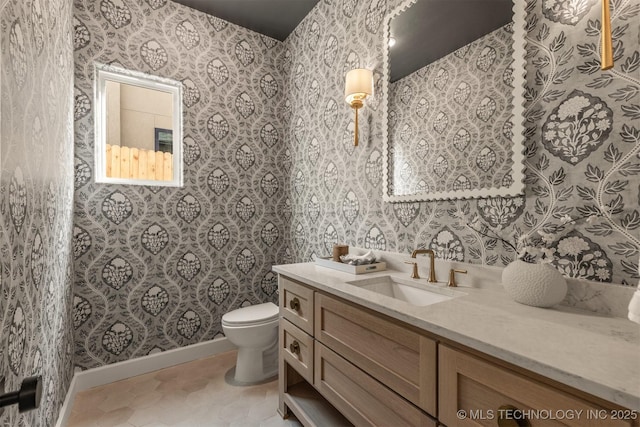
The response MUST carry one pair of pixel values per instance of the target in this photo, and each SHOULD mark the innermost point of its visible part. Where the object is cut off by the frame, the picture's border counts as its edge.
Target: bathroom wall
(337, 188)
(156, 268)
(36, 201)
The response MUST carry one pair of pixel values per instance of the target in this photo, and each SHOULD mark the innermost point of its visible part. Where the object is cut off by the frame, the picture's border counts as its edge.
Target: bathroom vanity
(351, 355)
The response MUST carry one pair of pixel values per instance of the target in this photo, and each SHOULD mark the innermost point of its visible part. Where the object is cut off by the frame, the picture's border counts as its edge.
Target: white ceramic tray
(353, 269)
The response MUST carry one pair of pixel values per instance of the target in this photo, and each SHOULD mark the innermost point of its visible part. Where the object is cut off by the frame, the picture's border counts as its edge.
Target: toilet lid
(258, 313)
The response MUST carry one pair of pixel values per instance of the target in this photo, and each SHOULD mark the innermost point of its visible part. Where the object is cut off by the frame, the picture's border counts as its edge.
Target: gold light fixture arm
(356, 104)
(605, 33)
(355, 132)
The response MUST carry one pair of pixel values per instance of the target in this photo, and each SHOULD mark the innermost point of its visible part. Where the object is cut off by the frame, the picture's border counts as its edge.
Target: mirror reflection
(450, 101)
(138, 126)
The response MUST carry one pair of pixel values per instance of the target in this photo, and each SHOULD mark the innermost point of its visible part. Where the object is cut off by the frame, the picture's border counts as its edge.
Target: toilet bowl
(254, 330)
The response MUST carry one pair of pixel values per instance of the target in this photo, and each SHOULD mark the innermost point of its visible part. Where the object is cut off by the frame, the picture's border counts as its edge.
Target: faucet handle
(414, 272)
(452, 277)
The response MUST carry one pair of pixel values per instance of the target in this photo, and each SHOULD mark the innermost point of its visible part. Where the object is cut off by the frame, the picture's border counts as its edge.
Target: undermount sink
(407, 290)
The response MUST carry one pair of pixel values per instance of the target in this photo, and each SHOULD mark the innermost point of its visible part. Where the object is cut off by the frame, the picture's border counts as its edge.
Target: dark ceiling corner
(273, 18)
(431, 29)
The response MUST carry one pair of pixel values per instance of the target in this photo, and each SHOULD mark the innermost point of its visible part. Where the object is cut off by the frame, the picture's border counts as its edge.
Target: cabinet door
(399, 358)
(296, 348)
(296, 304)
(478, 389)
(360, 398)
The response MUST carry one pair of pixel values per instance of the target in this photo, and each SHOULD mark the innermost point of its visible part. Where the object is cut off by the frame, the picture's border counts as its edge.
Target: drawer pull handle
(294, 304)
(510, 416)
(294, 347)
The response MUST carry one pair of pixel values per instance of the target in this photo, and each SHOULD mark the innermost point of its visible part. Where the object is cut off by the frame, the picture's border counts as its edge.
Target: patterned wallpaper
(449, 122)
(582, 145)
(272, 175)
(36, 200)
(156, 268)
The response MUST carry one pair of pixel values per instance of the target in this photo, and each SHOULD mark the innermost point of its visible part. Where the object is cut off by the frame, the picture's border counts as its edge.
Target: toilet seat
(252, 315)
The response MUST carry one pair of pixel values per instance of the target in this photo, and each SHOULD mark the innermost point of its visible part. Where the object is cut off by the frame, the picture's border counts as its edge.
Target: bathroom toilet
(254, 330)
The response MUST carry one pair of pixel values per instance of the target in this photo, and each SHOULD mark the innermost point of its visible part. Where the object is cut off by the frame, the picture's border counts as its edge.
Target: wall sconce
(358, 84)
(606, 61)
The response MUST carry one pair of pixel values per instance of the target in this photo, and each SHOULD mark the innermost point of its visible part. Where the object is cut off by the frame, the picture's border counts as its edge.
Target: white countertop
(590, 352)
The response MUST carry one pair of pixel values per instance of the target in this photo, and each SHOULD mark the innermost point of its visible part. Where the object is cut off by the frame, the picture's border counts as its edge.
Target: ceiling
(427, 31)
(274, 18)
(431, 29)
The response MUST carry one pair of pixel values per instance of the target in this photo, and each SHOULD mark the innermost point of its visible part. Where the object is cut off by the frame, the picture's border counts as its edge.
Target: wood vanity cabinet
(393, 354)
(480, 388)
(362, 399)
(366, 370)
(342, 365)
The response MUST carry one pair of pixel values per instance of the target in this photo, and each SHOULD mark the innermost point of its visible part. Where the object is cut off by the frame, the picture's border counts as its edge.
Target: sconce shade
(358, 84)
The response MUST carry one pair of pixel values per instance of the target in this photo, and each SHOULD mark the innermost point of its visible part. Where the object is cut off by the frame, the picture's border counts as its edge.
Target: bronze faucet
(432, 269)
(414, 272)
(452, 277)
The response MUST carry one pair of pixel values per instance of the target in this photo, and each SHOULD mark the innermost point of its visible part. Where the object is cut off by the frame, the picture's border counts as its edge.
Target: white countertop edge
(610, 392)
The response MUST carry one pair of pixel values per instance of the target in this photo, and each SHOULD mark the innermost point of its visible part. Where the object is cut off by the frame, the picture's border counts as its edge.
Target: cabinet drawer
(480, 387)
(360, 398)
(297, 349)
(403, 360)
(296, 304)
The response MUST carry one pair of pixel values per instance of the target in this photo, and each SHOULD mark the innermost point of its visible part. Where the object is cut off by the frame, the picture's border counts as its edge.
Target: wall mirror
(138, 128)
(453, 88)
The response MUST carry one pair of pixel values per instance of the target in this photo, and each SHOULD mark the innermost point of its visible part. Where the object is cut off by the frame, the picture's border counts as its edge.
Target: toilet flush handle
(294, 304)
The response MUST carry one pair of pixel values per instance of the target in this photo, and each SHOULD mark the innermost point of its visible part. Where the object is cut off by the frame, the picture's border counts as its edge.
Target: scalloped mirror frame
(519, 76)
(102, 73)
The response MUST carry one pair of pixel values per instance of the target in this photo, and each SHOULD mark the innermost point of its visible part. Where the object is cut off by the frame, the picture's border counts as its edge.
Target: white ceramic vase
(538, 285)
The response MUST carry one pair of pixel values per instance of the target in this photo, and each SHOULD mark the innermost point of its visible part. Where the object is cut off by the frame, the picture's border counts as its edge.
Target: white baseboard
(130, 368)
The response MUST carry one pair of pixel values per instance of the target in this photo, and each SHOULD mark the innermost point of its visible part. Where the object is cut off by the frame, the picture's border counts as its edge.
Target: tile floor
(193, 394)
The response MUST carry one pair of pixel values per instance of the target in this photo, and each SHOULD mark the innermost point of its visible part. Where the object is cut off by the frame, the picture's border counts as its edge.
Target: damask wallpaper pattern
(450, 121)
(582, 145)
(272, 175)
(36, 202)
(156, 268)
(271, 172)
